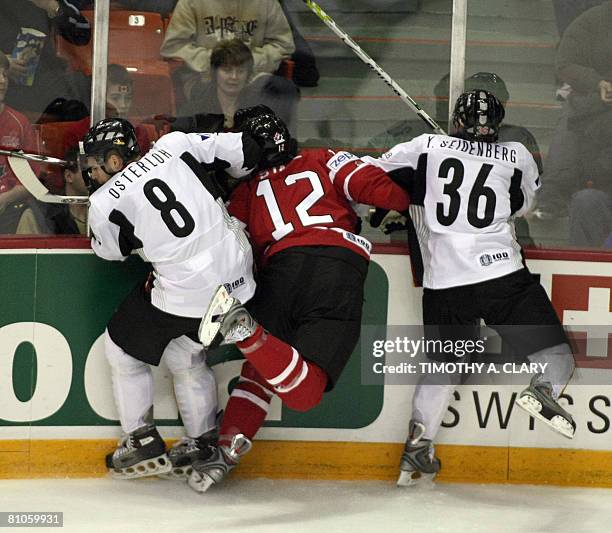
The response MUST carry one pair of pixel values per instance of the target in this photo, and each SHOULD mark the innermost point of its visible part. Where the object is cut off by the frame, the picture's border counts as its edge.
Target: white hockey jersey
(464, 197)
(163, 207)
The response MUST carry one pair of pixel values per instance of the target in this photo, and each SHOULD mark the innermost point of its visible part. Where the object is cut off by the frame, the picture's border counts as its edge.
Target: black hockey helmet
(108, 135)
(488, 81)
(478, 115)
(111, 134)
(270, 132)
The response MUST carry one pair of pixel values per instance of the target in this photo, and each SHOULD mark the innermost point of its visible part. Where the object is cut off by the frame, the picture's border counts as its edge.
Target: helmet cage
(478, 115)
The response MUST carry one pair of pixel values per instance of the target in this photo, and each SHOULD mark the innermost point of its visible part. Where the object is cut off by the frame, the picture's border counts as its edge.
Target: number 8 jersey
(166, 208)
(464, 197)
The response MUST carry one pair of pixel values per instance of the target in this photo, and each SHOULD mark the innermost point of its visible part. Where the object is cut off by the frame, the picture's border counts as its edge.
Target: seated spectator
(70, 218)
(119, 97)
(214, 102)
(18, 212)
(34, 84)
(579, 167)
(119, 91)
(197, 25)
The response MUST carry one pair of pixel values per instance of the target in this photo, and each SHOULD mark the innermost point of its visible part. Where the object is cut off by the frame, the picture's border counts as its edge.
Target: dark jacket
(585, 52)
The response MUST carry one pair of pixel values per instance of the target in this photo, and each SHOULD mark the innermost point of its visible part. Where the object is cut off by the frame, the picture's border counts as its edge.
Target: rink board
(57, 416)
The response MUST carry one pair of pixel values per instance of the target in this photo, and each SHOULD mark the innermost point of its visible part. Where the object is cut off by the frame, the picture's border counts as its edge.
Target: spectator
(197, 25)
(119, 92)
(119, 97)
(567, 10)
(17, 211)
(52, 78)
(579, 168)
(213, 103)
(70, 218)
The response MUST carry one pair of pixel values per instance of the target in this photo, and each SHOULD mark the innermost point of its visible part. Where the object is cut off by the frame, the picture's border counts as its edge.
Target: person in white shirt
(166, 207)
(465, 191)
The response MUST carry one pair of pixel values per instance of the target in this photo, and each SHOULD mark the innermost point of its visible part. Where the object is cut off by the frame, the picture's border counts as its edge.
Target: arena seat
(135, 37)
(153, 90)
(53, 137)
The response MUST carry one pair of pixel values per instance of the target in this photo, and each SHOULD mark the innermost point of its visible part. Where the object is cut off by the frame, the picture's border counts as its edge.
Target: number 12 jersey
(309, 201)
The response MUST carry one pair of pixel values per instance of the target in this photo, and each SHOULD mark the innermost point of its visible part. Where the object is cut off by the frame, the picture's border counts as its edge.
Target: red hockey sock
(299, 383)
(247, 406)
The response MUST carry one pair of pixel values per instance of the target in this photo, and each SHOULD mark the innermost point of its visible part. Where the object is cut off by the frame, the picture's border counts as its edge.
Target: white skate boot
(226, 321)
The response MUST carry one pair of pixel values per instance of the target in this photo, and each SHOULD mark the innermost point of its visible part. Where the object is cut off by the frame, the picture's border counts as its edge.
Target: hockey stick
(346, 38)
(20, 165)
(36, 158)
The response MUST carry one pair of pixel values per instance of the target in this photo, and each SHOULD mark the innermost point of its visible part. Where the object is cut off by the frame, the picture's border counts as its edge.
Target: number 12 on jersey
(282, 228)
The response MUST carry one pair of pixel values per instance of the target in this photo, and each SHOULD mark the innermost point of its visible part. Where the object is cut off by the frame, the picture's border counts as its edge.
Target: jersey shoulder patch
(337, 161)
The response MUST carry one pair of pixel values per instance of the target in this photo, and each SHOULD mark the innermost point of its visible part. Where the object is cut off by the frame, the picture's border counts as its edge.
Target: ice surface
(294, 506)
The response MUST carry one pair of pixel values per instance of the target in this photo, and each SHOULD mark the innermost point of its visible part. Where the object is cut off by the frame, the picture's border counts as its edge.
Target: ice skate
(226, 321)
(418, 464)
(538, 401)
(139, 454)
(187, 450)
(215, 469)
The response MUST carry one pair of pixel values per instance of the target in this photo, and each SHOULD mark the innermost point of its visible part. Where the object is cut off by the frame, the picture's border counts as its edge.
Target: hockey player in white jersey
(465, 191)
(165, 206)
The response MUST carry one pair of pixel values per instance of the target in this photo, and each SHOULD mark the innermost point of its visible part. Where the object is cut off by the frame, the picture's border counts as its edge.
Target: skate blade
(200, 482)
(220, 304)
(533, 406)
(149, 467)
(415, 479)
(178, 473)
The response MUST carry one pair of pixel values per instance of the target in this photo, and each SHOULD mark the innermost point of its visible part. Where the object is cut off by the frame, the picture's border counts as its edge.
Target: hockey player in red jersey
(313, 265)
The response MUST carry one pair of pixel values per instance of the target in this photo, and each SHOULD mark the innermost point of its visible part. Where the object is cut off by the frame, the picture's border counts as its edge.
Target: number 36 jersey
(465, 196)
(165, 207)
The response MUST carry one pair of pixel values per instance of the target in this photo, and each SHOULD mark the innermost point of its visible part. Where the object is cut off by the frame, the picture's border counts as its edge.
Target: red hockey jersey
(16, 133)
(308, 202)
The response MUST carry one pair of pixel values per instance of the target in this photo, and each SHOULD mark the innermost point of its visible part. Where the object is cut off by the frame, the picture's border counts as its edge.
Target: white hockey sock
(559, 362)
(430, 402)
(195, 386)
(132, 386)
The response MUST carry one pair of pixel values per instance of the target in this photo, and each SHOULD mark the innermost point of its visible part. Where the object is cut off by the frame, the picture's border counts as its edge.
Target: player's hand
(605, 90)
(17, 69)
(392, 222)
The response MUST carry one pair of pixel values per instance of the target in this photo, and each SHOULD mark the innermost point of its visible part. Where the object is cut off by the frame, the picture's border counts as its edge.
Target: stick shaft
(37, 158)
(346, 38)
